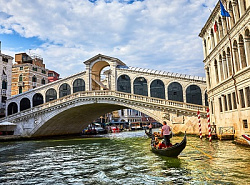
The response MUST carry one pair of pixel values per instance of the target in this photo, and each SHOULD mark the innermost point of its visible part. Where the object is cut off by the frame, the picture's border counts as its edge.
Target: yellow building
(226, 47)
(27, 73)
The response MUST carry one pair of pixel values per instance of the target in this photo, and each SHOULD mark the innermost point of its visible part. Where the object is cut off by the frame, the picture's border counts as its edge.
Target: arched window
(51, 95)
(34, 79)
(21, 78)
(37, 99)
(20, 90)
(193, 95)
(175, 92)
(229, 60)
(4, 84)
(78, 85)
(12, 108)
(157, 89)
(140, 86)
(43, 81)
(124, 84)
(24, 104)
(242, 52)
(206, 99)
(64, 90)
(216, 71)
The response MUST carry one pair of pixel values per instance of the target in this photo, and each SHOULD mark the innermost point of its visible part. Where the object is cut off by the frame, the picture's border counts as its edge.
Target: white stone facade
(226, 47)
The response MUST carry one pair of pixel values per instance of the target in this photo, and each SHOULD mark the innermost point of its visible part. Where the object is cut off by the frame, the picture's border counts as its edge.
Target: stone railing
(113, 94)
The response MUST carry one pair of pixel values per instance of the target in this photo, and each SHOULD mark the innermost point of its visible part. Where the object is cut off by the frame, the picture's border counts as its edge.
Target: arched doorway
(140, 86)
(37, 99)
(78, 85)
(12, 108)
(24, 104)
(51, 95)
(64, 90)
(124, 84)
(157, 89)
(175, 92)
(193, 95)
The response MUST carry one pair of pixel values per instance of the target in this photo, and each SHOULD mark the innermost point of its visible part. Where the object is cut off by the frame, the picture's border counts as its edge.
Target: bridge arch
(12, 108)
(37, 99)
(175, 91)
(24, 104)
(78, 85)
(194, 95)
(157, 89)
(124, 83)
(64, 90)
(50, 95)
(140, 86)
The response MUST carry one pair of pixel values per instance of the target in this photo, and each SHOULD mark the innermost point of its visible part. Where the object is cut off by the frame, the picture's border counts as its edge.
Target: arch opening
(124, 84)
(97, 75)
(175, 92)
(12, 108)
(24, 104)
(64, 90)
(140, 86)
(37, 99)
(193, 95)
(51, 95)
(157, 89)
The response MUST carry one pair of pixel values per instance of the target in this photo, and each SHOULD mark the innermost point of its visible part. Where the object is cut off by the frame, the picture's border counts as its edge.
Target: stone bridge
(68, 105)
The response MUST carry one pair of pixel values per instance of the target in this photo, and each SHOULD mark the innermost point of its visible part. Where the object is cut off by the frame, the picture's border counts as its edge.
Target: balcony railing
(20, 84)
(3, 92)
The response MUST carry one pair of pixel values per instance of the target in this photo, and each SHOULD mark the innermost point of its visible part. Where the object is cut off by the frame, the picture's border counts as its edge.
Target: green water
(121, 158)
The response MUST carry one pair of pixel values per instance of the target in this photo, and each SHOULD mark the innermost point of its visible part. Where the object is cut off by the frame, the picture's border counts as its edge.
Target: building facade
(226, 47)
(5, 74)
(53, 76)
(28, 72)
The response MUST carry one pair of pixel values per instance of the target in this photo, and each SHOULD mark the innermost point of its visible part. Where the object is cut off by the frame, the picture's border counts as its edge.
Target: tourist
(150, 128)
(165, 131)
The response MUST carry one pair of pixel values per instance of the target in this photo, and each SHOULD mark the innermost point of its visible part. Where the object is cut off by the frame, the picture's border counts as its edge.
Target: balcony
(34, 84)
(20, 84)
(3, 92)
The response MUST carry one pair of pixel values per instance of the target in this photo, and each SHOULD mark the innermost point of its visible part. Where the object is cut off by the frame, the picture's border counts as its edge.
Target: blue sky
(153, 34)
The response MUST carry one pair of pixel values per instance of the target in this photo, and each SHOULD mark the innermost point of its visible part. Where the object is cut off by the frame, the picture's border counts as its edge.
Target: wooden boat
(172, 151)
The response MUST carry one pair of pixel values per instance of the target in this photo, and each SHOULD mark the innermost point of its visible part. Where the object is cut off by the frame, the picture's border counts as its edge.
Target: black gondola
(172, 151)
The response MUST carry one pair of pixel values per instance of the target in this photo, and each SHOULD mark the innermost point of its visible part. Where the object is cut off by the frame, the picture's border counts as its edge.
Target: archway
(193, 95)
(140, 86)
(37, 99)
(175, 92)
(64, 90)
(96, 75)
(124, 84)
(51, 95)
(24, 104)
(78, 85)
(12, 108)
(157, 89)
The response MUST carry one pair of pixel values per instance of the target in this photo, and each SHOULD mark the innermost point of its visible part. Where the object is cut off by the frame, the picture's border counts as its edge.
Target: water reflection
(123, 158)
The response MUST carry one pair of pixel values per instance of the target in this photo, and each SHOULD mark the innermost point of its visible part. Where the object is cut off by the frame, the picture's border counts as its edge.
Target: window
(21, 68)
(245, 125)
(242, 100)
(247, 90)
(212, 107)
(43, 71)
(50, 74)
(43, 81)
(4, 84)
(4, 98)
(20, 78)
(234, 100)
(229, 101)
(225, 102)
(34, 68)
(20, 90)
(34, 79)
(220, 104)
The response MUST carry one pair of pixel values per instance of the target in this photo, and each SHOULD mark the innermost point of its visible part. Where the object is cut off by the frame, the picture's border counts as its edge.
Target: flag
(224, 13)
(215, 27)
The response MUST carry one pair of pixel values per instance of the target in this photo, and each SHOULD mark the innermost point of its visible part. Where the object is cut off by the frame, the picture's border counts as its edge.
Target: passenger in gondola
(150, 128)
(156, 142)
(165, 132)
(161, 145)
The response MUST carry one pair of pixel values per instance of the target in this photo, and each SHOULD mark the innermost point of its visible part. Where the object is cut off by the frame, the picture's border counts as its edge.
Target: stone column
(229, 61)
(113, 76)
(241, 7)
(220, 28)
(236, 59)
(221, 70)
(88, 78)
(224, 62)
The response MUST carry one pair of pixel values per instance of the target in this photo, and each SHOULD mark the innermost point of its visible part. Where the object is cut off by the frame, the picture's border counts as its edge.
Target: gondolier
(165, 131)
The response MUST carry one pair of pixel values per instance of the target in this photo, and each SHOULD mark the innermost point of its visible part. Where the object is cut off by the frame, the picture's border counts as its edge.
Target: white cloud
(155, 34)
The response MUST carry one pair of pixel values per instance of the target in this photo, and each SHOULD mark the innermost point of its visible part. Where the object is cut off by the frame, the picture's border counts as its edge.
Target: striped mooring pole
(199, 121)
(209, 126)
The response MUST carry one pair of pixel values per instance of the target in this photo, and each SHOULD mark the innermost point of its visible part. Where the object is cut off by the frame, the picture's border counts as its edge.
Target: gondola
(172, 151)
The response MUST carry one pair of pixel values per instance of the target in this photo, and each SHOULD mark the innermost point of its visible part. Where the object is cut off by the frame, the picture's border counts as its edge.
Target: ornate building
(5, 74)
(226, 47)
(28, 73)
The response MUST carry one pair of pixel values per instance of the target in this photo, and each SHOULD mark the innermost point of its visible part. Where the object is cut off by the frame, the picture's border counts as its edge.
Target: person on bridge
(165, 131)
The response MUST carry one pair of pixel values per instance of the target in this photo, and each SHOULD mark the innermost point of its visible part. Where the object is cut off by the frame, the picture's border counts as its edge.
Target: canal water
(121, 158)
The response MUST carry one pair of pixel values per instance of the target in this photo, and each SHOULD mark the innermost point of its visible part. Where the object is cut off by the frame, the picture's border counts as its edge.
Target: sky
(151, 34)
